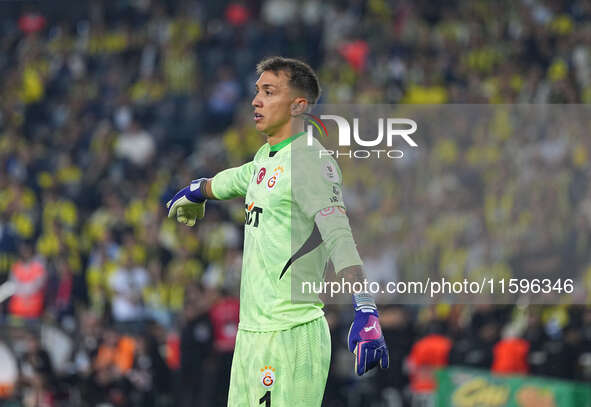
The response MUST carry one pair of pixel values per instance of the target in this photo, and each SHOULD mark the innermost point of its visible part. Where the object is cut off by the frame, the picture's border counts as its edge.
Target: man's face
(272, 102)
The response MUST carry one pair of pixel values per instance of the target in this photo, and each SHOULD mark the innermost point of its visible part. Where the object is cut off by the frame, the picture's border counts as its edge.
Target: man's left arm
(320, 196)
(365, 337)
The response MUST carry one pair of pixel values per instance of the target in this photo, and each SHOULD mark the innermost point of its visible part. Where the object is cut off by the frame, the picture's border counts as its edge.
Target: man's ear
(299, 106)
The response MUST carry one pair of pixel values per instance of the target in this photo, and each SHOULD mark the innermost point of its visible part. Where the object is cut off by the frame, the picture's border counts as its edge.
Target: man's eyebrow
(265, 85)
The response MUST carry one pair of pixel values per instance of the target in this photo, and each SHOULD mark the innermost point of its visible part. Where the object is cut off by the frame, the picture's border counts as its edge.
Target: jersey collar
(285, 142)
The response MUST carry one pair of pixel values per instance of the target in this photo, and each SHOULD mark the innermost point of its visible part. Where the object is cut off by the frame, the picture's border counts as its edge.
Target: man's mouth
(257, 116)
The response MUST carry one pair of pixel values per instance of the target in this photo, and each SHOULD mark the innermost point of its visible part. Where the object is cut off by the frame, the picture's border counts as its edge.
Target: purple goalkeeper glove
(365, 336)
(188, 204)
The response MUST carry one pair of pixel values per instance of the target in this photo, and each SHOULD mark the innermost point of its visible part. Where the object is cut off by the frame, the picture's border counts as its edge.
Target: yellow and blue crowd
(107, 107)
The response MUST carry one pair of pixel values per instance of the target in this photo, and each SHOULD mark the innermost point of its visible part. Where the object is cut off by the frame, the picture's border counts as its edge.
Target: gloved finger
(191, 217)
(200, 212)
(361, 358)
(352, 345)
(385, 359)
(185, 216)
(172, 211)
(168, 204)
(373, 357)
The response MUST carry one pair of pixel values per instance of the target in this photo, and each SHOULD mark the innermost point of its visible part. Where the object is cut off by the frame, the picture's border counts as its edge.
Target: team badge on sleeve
(327, 211)
(330, 172)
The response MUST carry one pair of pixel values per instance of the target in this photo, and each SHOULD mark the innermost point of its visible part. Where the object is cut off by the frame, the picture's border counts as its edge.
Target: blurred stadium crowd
(107, 107)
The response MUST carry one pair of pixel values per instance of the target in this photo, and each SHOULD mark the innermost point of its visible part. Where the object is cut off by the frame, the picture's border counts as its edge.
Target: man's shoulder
(307, 144)
(312, 158)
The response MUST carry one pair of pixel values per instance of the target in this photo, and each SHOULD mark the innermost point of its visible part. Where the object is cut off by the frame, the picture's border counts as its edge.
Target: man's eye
(267, 92)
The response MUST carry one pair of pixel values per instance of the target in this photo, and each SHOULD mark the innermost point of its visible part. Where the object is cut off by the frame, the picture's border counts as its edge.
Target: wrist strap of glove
(364, 302)
(197, 190)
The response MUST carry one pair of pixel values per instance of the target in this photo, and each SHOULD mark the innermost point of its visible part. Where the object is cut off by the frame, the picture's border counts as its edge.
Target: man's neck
(285, 132)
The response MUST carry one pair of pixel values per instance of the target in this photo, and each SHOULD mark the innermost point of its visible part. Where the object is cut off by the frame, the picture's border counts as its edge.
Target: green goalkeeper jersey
(284, 186)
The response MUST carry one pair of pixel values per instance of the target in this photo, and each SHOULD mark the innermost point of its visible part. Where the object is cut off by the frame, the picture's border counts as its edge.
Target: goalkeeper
(282, 353)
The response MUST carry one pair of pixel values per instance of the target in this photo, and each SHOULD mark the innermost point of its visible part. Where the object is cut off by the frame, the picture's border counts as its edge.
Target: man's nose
(256, 102)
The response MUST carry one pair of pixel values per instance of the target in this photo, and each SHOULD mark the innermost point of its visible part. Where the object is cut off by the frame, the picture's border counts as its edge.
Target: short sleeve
(317, 185)
(233, 182)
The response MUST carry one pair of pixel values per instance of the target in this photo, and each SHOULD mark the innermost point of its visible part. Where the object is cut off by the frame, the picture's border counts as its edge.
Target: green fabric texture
(294, 361)
(279, 217)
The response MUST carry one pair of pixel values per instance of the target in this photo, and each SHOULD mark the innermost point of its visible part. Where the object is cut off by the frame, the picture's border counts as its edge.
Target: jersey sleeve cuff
(215, 193)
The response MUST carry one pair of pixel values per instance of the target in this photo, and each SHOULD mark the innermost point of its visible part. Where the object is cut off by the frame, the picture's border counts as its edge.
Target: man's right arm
(188, 205)
(230, 183)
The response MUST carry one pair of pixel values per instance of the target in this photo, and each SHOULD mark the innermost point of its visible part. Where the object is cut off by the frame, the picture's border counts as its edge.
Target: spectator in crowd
(112, 363)
(426, 356)
(196, 348)
(37, 375)
(29, 276)
(149, 375)
(8, 245)
(156, 293)
(135, 145)
(127, 283)
(61, 288)
(398, 333)
(223, 313)
(510, 356)
(84, 353)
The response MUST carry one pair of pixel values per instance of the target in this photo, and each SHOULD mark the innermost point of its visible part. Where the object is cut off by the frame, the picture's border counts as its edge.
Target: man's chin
(261, 128)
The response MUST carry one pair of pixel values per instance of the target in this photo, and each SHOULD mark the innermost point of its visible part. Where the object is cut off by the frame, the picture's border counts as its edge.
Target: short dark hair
(301, 76)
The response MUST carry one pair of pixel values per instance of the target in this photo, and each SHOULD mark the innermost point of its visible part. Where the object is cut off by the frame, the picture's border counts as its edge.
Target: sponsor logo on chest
(253, 214)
